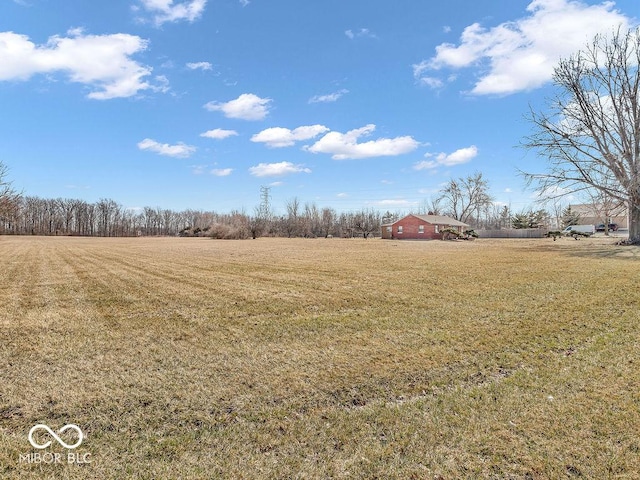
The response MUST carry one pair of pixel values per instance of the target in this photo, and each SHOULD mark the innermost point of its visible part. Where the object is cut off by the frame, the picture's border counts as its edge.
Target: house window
(437, 230)
(399, 228)
(389, 229)
(421, 229)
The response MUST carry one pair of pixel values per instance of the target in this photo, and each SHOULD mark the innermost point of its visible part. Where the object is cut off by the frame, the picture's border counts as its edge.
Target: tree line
(466, 199)
(32, 215)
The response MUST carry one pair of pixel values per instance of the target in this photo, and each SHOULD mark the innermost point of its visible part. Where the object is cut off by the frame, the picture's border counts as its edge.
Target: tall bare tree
(591, 133)
(464, 197)
(9, 198)
(292, 220)
(328, 219)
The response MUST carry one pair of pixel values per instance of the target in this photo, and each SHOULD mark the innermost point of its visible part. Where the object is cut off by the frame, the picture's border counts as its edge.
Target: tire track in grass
(50, 333)
(16, 258)
(212, 285)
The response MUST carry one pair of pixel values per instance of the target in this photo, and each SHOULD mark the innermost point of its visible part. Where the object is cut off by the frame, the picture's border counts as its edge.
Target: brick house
(421, 227)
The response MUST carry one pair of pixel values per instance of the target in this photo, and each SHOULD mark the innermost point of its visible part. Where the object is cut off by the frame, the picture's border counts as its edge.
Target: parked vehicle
(612, 227)
(588, 229)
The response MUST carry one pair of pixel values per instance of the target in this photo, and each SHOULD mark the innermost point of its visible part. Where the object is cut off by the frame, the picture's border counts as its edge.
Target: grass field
(324, 358)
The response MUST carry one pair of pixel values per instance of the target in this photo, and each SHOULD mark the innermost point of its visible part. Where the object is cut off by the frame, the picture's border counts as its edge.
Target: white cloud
(520, 55)
(244, 3)
(246, 107)
(277, 137)
(219, 134)
(342, 195)
(553, 192)
(331, 97)
(199, 66)
(162, 84)
(394, 203)
(180, 150)
(432, 82)
(221, 172)
(100, 61)
(361, 33)
(169, 11)
(460, 156)
(277, 169)
(344, 146)
(429, 191)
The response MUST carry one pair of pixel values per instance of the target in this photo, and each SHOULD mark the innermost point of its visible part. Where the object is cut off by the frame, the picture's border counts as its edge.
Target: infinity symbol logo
(41, 426)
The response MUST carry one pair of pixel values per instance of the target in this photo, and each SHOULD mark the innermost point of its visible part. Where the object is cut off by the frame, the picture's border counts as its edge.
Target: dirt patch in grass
(324, 358)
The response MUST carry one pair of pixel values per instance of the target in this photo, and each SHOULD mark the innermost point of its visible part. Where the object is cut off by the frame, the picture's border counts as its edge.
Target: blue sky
(350, 104)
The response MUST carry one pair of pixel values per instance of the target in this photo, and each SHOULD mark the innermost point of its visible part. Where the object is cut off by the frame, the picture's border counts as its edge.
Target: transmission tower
(265, 204)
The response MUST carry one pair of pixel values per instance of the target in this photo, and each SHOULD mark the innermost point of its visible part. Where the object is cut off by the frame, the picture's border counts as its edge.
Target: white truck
(587, 229)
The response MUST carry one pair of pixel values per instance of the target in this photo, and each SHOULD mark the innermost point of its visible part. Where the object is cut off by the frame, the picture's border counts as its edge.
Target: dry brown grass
(194, 358)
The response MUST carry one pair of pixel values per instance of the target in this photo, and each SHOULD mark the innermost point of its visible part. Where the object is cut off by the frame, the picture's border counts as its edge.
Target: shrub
(450, 234)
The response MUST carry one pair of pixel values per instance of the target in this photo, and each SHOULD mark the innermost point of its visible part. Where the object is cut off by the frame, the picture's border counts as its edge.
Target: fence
(512, 233)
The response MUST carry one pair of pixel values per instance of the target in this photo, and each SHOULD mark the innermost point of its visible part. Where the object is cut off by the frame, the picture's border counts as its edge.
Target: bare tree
(108, 211)
(328, 219)
(591, 134)
(431, 206)
(256, 223)
(292, 220)
(9, 198)
(464, 197)
(366, 222)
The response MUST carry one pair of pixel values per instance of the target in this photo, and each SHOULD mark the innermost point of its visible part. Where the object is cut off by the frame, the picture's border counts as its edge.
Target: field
(320, 358)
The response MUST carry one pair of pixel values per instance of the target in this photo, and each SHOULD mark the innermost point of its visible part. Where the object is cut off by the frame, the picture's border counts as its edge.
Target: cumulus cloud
(277, 169)
(246, 107)
(520, 55)
(219, 134)
(199, 66)
(331, 97)
(277, 137)
(100, 61)
(179, 150)
(343, 146)
(460, 156)
(169, 11)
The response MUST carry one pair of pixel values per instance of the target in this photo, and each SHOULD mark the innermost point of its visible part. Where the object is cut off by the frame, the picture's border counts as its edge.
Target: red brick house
(421, 227)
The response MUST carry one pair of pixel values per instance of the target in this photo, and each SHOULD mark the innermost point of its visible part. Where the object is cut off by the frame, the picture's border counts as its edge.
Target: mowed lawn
(321, 358)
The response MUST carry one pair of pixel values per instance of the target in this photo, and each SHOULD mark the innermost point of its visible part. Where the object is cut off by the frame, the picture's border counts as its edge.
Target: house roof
(435, 220)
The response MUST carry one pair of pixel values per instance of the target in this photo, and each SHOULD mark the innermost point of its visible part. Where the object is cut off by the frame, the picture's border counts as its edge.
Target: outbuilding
(421, 227)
